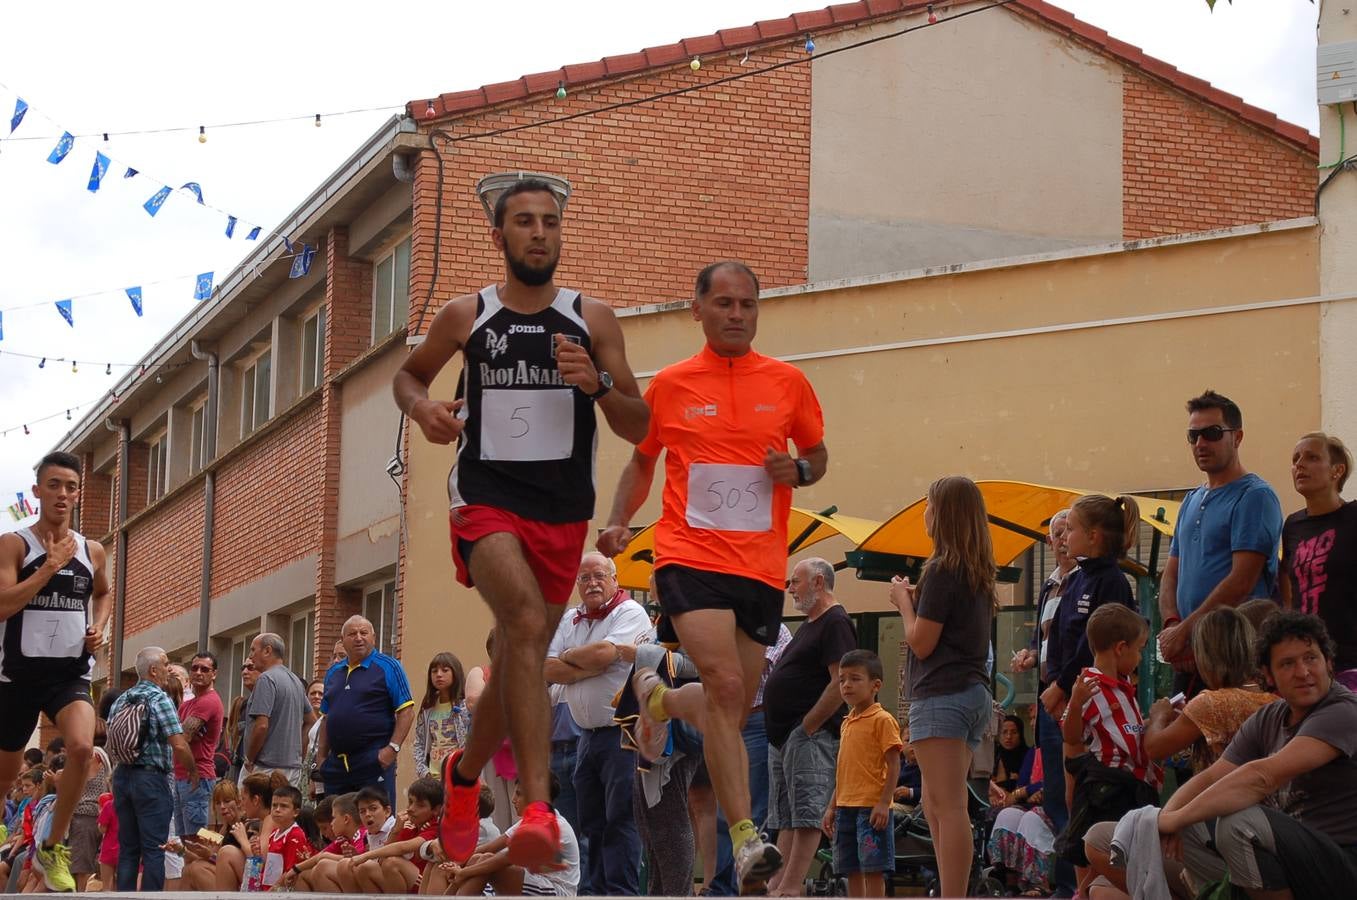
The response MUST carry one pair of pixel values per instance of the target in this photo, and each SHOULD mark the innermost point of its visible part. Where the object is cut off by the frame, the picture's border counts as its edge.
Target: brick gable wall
(661, 189)
(1188, 167)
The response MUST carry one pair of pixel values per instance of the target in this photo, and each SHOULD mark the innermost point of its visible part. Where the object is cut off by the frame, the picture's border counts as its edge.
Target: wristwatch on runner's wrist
(803, 472)
(605, 384)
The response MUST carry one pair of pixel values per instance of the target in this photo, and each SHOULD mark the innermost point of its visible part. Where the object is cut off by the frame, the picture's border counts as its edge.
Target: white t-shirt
(380, 838)
(566, 882)
(591, 699)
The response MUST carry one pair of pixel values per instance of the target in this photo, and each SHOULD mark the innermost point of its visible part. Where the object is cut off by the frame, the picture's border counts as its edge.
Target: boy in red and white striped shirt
(1103, 728)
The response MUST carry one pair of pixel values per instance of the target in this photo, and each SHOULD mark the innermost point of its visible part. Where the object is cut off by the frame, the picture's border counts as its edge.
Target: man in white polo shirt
(591, 655)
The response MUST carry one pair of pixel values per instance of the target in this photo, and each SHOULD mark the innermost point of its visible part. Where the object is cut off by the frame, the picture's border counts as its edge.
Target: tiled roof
(839, 16)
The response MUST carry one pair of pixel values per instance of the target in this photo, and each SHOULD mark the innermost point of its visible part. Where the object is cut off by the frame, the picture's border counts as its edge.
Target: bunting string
(103, 163)
(315, 118)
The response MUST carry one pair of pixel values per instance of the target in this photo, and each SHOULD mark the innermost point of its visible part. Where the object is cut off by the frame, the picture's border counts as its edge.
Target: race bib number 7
(729, 498)
(526, 426)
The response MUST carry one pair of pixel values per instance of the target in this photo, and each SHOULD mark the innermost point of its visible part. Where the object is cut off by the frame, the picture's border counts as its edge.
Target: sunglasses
(201, 669)
(1212, 433)
(247, 668)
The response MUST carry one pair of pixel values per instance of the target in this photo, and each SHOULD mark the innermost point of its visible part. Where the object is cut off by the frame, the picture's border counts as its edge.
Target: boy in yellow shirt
(859, 817)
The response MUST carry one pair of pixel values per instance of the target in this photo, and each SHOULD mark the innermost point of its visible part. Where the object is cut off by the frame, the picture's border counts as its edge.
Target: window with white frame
(379, 608)
(228, 679)
(313, 348)
(197, 448)
(157, 470)
(391, 291)
(255, 396)
(301, 647)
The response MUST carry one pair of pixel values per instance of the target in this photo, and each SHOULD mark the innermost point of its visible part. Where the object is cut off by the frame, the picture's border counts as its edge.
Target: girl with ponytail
(1100, 532)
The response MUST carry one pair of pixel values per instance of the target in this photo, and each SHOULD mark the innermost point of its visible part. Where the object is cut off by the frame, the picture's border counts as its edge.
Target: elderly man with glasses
(202, 716)
(591, 655)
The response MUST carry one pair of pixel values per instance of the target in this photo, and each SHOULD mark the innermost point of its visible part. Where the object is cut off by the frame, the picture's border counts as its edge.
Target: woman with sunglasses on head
(235, 722)
(1319, 547)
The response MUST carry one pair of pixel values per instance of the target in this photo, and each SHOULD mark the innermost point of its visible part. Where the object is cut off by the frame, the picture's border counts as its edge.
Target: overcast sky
(96, 68)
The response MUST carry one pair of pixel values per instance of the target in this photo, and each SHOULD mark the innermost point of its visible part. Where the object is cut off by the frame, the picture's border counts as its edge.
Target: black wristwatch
(605, 384)
(804, 476)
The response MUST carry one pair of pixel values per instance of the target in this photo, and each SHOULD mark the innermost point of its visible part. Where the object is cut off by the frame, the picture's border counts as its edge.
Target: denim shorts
(961, 716)
(858, 847)
(801, 779)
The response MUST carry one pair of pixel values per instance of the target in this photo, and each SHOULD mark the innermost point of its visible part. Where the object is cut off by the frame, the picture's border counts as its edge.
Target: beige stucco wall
(1098, 407)
(368, 501)
(912, 157)
(1338, 262)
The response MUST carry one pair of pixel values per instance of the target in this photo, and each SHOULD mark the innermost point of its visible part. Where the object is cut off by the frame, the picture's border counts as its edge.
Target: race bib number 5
(526, 426)
(729, 498)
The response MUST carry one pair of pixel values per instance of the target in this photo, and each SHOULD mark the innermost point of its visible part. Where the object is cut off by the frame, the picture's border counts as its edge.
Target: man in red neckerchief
(592, 654)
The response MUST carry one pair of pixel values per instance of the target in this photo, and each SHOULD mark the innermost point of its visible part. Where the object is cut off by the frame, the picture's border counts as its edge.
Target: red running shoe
(536, 842)
(459, 828)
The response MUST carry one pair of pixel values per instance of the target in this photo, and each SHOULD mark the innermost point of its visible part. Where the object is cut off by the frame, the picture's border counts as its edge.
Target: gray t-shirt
(1325, 798)
(958, 661)
(281, 696)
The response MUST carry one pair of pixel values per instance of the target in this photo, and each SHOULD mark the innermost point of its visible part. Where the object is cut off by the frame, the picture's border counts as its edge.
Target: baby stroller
(915, 861)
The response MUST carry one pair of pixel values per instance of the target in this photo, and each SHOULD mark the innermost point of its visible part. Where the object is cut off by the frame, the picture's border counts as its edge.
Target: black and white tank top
(528, 445)
(46, 639)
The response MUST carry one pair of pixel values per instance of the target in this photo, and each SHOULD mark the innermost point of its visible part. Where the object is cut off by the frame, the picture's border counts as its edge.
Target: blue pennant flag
(157, 200)
(64, 307)
(62, 148)
(134, 294)
(2, 326)
(254, 233)
(98, 172)
(203, 291)
(20, 109)
(287, 244)
(301, 263)
(230, 226)
(197, 191)
(130, 172)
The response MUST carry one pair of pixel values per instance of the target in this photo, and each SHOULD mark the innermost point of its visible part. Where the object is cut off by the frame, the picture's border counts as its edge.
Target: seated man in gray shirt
(279, 714)
(1276, 811)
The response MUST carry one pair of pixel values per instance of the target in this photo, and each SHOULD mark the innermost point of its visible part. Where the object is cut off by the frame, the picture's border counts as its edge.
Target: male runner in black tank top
(54, 604)
(537, 359)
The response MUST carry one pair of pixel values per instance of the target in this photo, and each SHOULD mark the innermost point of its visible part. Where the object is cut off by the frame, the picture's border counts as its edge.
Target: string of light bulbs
(202, 130)
(108, 365)
(66, 411)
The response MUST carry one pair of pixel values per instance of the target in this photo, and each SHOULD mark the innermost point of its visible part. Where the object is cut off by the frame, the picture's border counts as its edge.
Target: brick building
(257, 498)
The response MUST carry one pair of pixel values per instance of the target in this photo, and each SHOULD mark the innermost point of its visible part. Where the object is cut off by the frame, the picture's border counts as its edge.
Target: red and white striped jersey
(1114, 729)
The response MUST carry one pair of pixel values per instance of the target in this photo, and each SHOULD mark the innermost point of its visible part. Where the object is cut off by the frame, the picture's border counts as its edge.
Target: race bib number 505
(729, 498)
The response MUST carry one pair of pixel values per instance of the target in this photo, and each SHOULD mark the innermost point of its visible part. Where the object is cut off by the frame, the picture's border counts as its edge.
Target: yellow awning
(1029, 506)
(635, 563)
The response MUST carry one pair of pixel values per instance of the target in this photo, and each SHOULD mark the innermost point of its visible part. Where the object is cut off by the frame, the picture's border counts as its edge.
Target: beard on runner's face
(529, 273)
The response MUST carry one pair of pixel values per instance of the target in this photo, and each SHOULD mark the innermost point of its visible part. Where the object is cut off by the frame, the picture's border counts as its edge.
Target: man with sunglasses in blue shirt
(1224, 548)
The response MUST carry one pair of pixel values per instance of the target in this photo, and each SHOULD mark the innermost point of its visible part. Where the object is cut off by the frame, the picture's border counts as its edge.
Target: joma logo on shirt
(527, 329)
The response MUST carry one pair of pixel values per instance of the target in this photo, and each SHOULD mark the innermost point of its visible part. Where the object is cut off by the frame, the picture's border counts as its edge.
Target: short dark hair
(1289, 624)
(60, 459)
(325, 809)
(526, 186)
(1209, 399)
(290, 793)
(209, 655)
(56, 745)
(864, 659)
(485, 803)
(33, 757)
(428, 789)
(703, 285)
(372, 793)
(1112, 623)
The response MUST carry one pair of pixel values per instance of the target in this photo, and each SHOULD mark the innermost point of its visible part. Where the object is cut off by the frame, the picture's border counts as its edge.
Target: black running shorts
(22, 702)
(757, 606)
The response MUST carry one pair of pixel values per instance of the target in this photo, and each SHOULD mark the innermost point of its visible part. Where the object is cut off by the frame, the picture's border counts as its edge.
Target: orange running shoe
(536, 842)
(459, 828)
